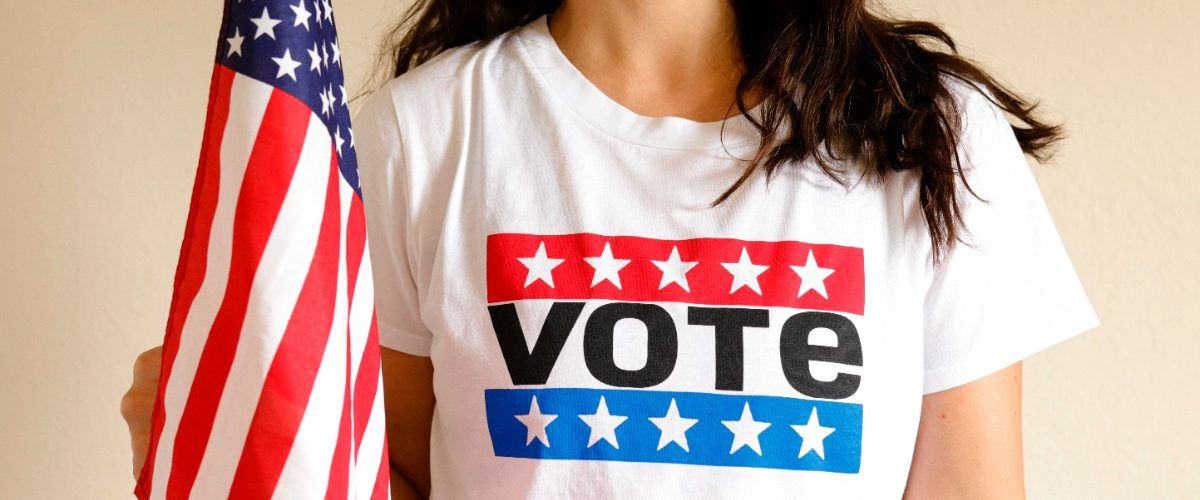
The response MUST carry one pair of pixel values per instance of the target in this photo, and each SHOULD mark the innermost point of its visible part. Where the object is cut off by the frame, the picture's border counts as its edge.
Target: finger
(137, 409)
(147, 366)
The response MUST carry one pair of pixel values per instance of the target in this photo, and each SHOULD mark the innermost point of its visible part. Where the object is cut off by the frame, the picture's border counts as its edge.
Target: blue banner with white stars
(293, 46)
(675, 427)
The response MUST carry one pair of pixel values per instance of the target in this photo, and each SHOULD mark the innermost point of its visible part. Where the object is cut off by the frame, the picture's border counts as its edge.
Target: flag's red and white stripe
(270, 385)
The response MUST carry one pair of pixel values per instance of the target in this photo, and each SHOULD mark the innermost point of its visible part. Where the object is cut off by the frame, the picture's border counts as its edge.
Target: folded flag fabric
(270, 385)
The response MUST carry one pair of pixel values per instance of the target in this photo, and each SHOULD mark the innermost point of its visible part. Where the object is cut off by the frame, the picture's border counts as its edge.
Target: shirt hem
(404, 341)
(985, 363)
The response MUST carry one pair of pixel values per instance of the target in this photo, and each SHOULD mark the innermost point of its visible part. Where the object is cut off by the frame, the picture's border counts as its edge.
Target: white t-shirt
(597, 330)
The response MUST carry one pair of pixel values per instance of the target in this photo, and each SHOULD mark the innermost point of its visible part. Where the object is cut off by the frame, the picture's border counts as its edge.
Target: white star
(332, 100)
(302, 14)
(351, 131)
(265, 25)
(745, 431)
(606, 267)
(673, 427)
(317, 11)
(540, 266)
(812, 435)
(328, 9)
(324, 57)
(337, 52)
(314, 59)
(535, 424)
(745, 273)
(812, 277)
(337, 137)
(344, 96)
(325, 104)
(235, 43)
(287, 65)
(674, 270)
(603, 424)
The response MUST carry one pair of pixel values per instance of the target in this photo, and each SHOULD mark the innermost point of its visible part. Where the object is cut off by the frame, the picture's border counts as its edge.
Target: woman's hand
(408, 397)
(137, 405)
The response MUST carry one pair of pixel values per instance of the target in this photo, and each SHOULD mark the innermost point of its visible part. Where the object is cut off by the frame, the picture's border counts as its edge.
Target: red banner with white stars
(715, 271)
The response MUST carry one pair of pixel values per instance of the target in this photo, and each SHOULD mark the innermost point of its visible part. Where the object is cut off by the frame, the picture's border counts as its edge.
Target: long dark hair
(855, 84)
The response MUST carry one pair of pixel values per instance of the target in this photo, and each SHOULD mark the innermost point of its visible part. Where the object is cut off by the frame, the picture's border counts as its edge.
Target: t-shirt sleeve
(1013, 291)
(385, 184)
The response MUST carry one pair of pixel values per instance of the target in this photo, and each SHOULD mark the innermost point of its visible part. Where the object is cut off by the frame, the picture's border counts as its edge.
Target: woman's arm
(969, 441)
(408, 405)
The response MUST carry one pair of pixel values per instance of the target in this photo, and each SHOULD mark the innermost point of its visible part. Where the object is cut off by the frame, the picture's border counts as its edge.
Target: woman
(702, 249)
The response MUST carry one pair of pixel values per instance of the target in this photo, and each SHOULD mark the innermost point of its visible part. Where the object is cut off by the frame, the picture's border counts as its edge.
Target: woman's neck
(655, 57)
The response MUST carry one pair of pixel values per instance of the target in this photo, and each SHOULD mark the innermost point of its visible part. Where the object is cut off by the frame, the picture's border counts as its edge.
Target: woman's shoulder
(972, 102)
(422, 112)
(452, 74)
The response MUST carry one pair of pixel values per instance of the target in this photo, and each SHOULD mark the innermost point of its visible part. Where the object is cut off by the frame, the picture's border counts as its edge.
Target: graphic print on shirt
(731, 288)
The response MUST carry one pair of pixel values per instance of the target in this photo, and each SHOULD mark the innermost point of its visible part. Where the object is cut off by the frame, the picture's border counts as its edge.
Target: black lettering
(729, 324)
(795, 352)
(532, 366)
(662, 344)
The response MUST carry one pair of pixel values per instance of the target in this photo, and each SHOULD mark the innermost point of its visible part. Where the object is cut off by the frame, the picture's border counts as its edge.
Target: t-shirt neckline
(559, 76)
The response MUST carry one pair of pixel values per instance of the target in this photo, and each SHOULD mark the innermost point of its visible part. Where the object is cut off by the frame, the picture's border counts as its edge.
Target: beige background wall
(101, 109)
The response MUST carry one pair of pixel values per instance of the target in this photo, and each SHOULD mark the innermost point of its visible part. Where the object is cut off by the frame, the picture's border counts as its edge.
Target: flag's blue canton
(675, 427)
(294, 46)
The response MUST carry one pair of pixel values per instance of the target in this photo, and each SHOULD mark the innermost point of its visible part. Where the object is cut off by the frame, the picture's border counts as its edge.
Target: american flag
(271, 385)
